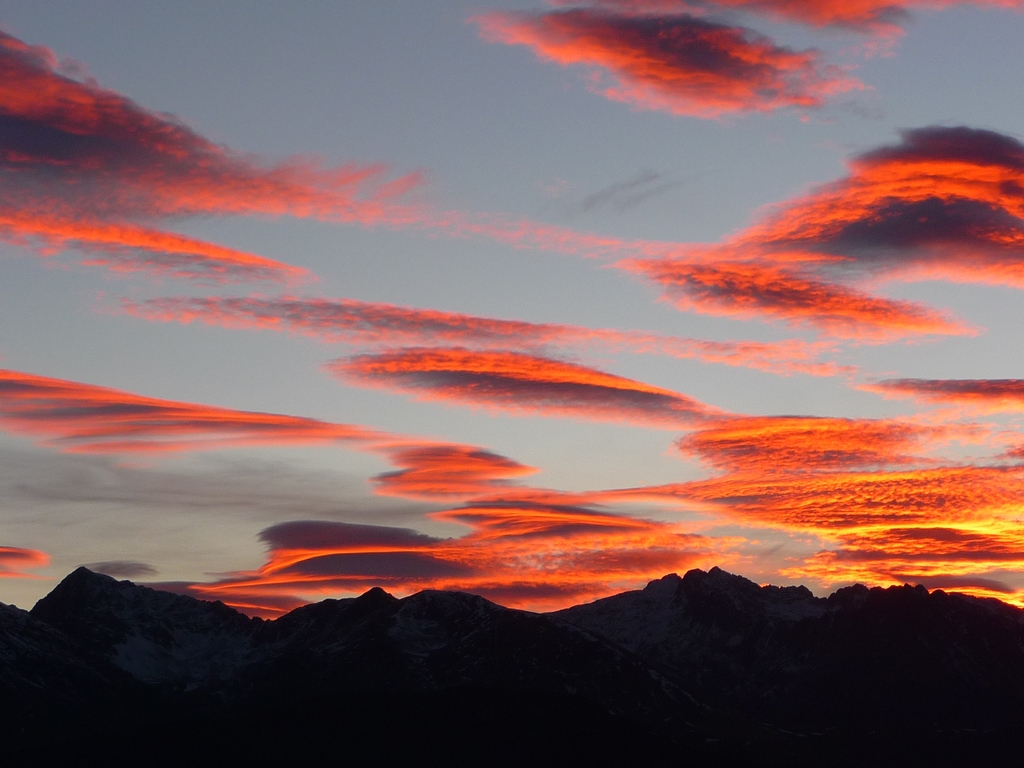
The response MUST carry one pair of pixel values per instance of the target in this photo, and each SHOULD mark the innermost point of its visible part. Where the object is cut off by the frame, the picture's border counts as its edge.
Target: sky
(535, 300)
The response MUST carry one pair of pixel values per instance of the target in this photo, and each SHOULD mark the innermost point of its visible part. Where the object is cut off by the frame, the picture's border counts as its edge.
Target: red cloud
(15, 560)
(365, 323)
(678, 63)
(83, 166)
(851, 483)
(520, 383)
(943, 204)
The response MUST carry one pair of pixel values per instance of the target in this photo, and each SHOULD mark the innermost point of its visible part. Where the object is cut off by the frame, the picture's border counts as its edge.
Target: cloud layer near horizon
(526, 546)
(521, 554)
(886, 510)
(871, 490)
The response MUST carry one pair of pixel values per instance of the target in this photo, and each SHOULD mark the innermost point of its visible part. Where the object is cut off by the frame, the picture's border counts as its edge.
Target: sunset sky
(535, 300)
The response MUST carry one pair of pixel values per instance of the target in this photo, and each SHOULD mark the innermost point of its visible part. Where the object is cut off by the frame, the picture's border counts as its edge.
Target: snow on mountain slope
(155, 636)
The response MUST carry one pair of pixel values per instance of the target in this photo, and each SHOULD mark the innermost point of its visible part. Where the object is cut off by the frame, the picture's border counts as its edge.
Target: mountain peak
(154, 635)
(778, 654)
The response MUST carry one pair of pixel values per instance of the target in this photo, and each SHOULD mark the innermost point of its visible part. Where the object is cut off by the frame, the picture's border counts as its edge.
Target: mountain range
(707, 669)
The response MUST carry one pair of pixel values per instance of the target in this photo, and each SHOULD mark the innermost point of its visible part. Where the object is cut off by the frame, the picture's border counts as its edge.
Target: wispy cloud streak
(991, 395)
(84, 418)
(371, 324)
(85, 167)
(14, 561)
(90, 419)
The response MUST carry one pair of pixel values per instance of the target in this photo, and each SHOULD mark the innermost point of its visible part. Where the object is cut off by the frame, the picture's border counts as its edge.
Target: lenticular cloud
(519, 383)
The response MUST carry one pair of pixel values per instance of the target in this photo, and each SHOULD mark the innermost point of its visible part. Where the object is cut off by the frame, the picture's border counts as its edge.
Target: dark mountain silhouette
(708, 669)
(870, 656)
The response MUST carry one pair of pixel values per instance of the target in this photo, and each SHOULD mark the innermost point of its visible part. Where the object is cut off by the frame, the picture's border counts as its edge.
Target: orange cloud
(127, 248)
(89, 419)
(772, 445)
(527, 555)
(947, 526)
(365, 323)
(943, 204)
(85, 167)
(519, 383)
(984, 394)
(678, 63)
(15, 560)
(886, 514)
(525, 546)
(753, 289)
(429, 471)
(966, 558)
(832, 502)
(86, 418)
